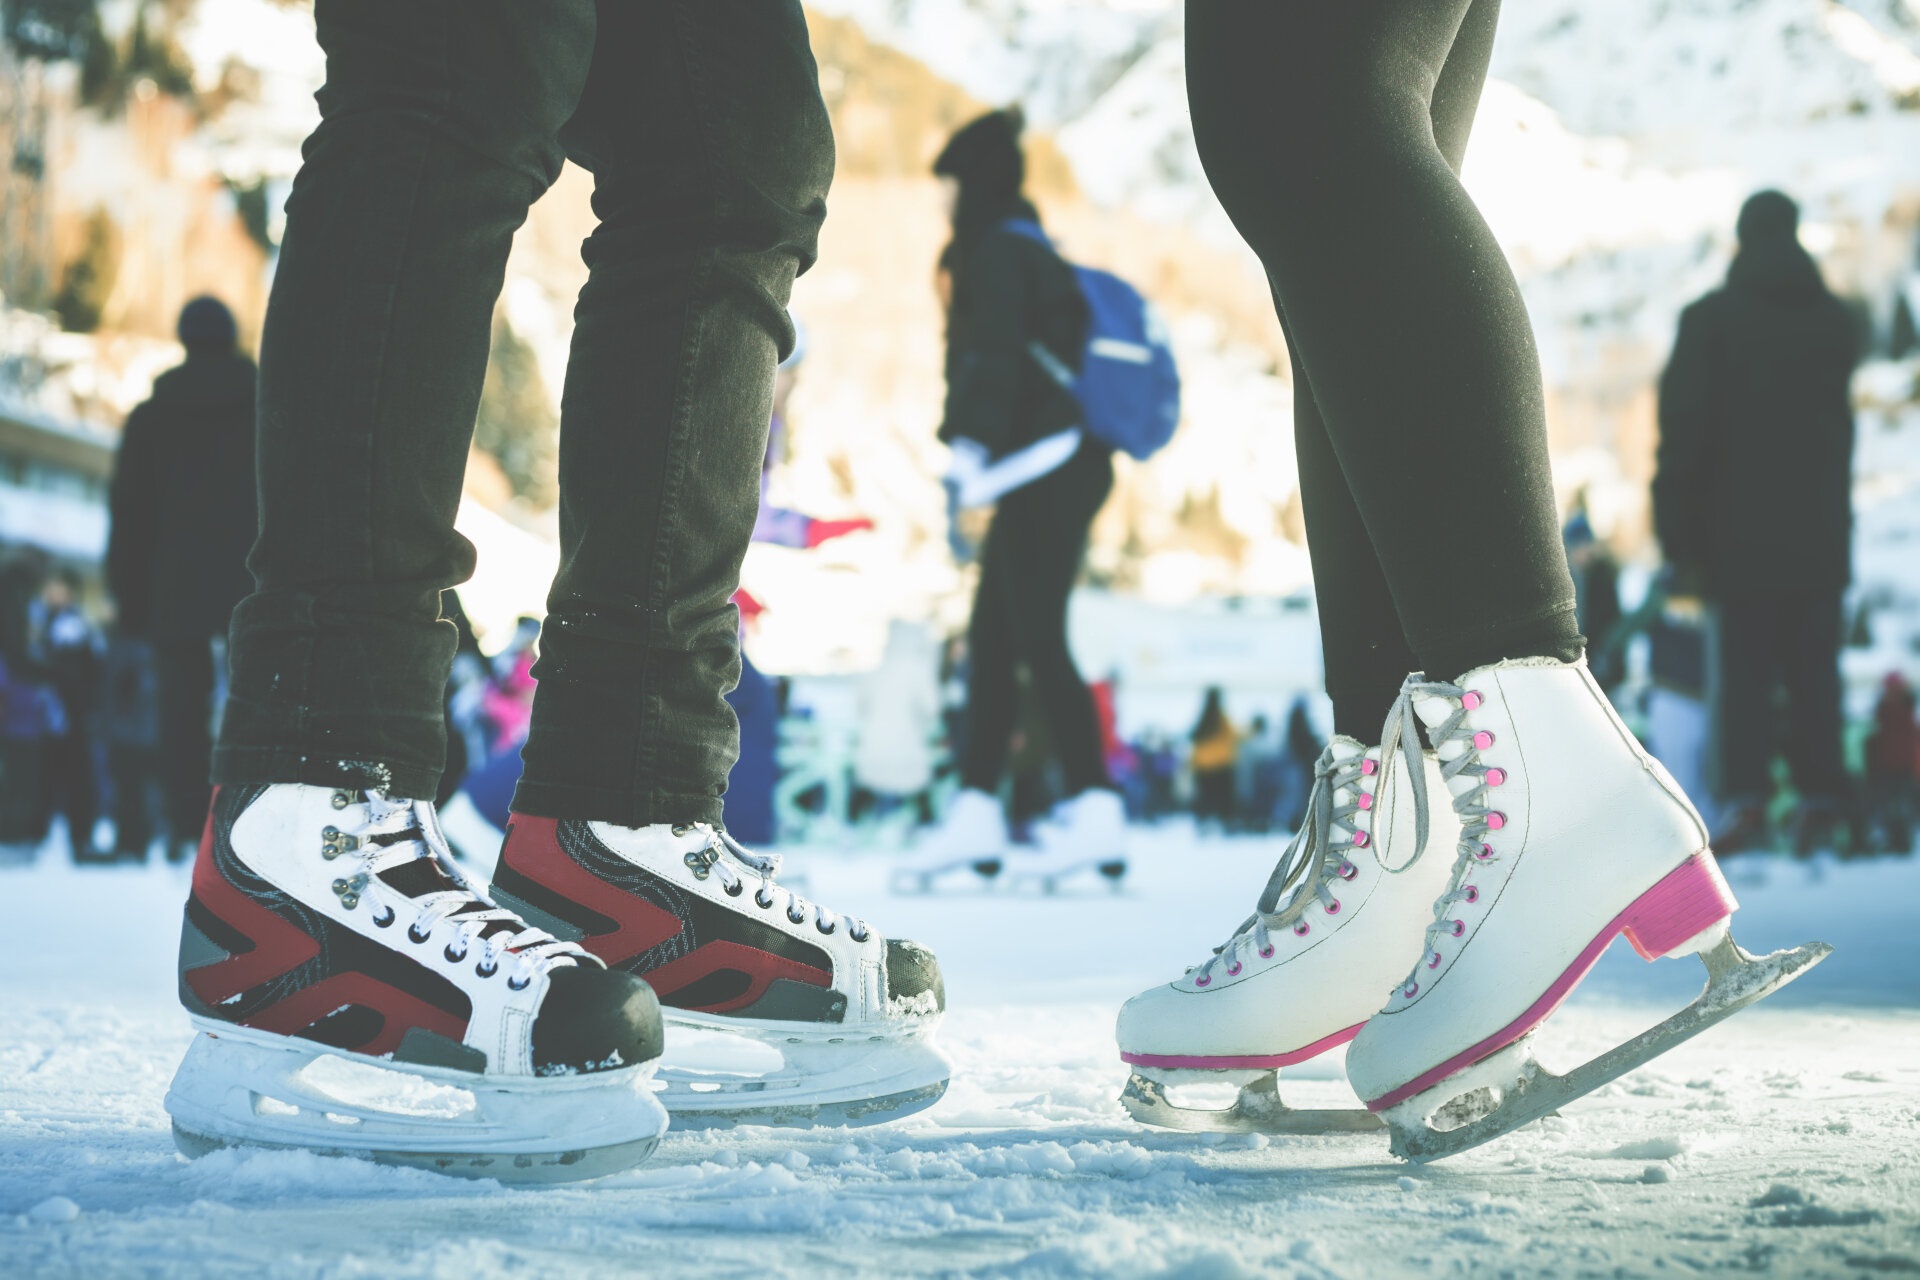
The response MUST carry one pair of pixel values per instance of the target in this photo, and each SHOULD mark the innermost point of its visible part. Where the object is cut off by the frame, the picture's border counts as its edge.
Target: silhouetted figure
(1216, 748)
(1751, 502)
(183, 519)
(70, 649)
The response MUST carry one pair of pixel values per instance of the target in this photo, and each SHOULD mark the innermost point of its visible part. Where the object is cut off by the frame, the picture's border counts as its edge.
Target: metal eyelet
(1302, 929)
(680, 829)
(341, 799)
(1346, 871)
(1472, 894)
(735, 889)
(383, 923)
(518, 984)
(701, 861)
(486, 970)
(796, 919)
(763, 903)
(861, 936)
(414, 934)
(1332, 908)
(1459, 927)
(824, 927)
(1266, 953)
(1233, 970)
(451, 956)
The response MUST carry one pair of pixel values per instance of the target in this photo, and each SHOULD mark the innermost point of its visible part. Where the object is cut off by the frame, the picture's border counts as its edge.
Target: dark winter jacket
(1009, 290)
(1752, 492)
(183, 501)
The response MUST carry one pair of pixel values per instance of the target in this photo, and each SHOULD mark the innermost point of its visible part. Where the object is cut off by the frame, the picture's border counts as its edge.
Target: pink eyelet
(1346, 871)
(1302, 929)
(1366, 800)
(1472, 894)
(1361, 839)
(1266, 953)
(1459, 927)
(1201, 982)
(1233, 970)
(1369, 768)
(1410, 990)
(1496, 776)
(1496, 820)
(1332, 908)
(1433, 962)
(1482, 740)
(1472, 700)
(1486, 852)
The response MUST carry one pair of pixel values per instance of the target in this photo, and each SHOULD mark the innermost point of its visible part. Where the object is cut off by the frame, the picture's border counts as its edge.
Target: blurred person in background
(1014, 433)
(129, 725)
(31, 717)
(1893, 768)
(69, 648)
(1596, 592)
(182, 510)
(1214, 754)
(1752, 504)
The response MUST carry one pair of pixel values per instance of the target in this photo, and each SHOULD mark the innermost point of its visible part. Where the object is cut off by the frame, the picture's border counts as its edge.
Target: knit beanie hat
(206, 325)
(1767, 215)
(985, 155)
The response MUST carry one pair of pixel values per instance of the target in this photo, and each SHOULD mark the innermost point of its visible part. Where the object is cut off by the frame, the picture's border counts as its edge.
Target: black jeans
(442, 121)
(1791, 641)
(1333, 134)
(1027, 567)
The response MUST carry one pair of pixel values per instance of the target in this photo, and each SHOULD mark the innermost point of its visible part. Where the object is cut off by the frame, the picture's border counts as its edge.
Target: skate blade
(826, 1079)
(1257, 1109)
(242, 1088)
(906, 883)
(1485, 1111)
(521, 1168)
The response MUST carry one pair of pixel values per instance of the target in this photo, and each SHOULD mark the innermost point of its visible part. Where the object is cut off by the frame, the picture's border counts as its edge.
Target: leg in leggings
(1027, 569)
(1331, 134)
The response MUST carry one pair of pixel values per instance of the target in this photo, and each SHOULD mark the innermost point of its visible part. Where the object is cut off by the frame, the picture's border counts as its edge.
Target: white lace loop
(1470, 805)
(411, 833)
(1315, 856)
(721, 850)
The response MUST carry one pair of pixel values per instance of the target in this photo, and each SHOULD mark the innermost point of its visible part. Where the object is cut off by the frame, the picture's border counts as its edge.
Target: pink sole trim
(1692, 897)
(1244, 1061)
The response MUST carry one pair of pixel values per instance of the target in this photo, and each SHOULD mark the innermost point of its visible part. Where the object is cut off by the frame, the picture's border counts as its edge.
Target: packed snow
(1782, 1142)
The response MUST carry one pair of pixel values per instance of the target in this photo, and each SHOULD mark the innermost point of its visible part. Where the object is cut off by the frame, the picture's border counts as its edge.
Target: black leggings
(1027, 568)
(1333, 134)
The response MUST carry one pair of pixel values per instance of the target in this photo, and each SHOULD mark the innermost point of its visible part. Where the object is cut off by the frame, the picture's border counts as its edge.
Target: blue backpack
(1127, 387)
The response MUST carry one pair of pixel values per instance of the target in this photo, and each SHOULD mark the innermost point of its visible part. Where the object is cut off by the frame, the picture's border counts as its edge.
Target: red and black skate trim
(251, 954)
(696, 954)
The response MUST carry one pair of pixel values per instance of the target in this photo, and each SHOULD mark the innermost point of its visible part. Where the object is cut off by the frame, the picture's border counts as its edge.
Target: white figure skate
(1571, 836)
(1339, 919)
(971, 837)
(1085, 835)
(779, 1011)
(355, 995)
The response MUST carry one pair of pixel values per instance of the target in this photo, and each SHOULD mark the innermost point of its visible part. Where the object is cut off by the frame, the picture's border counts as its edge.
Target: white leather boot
(1340, 920)
(1572, 835)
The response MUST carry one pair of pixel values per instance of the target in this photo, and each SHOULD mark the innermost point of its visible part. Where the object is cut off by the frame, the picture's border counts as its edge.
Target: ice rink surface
(1784, 1142)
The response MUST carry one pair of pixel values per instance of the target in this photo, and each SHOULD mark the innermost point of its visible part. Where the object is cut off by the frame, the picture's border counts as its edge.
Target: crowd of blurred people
(110, 699)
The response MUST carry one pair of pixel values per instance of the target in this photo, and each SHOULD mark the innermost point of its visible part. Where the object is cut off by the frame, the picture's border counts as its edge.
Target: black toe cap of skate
(911, 971)
(595, 1019)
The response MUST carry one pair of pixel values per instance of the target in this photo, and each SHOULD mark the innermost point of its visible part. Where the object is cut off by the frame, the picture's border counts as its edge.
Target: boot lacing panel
(720, 851)
(397, 832)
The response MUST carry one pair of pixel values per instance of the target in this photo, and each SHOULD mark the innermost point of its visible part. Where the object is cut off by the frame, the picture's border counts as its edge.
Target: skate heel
(1686, 912)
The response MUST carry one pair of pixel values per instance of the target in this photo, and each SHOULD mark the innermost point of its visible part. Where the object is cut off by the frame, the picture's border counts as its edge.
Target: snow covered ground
(1783, 1142)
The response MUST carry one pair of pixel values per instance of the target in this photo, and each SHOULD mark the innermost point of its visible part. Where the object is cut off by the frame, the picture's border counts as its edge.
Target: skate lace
(1475, 814)
(717, 856)
(1315, 856)
(400, 833)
